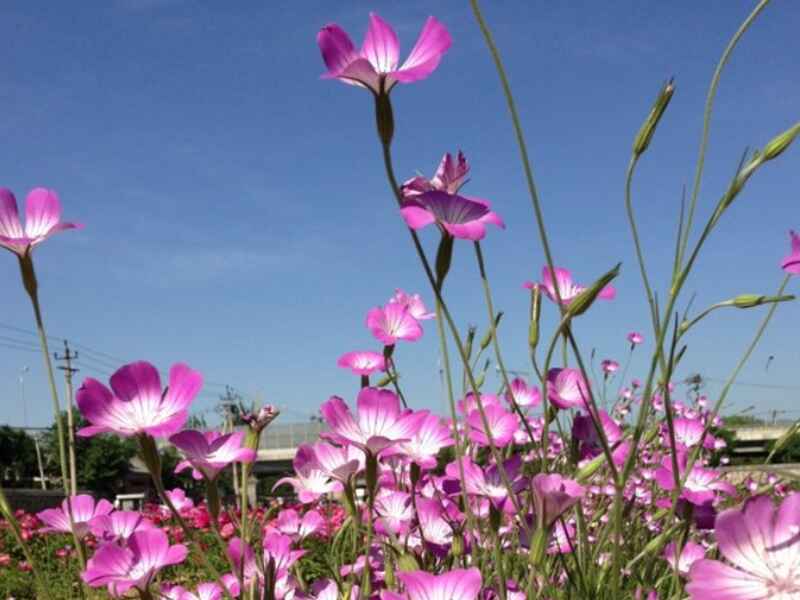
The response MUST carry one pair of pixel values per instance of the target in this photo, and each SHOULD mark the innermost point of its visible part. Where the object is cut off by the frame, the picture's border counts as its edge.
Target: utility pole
(69, 370)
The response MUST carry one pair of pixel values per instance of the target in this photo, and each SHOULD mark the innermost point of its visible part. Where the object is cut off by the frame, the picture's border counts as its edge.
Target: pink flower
(395, 511)
(701, 485)
(119, 525)
(462, 217)
(375, 65)
(553, 495)
(567, 388)
(393, 322)
(179, 500)
(449, 177)
(311, 481)
(635, 338)
(458, 584)
(502, 425)
(690, 554)
(210, 452)
(205, 591)
(379, 422)
(362, 363)
(488, 482)
(424, 446)
(134, 565)
(83, 510)
(414, 304)
(609, 366)
(137, 404)
(523, 395)
(568, 290)
(791, 263)
(583, 429)
(339, 462)
(42, 219)
(763, 545)
(290, 523)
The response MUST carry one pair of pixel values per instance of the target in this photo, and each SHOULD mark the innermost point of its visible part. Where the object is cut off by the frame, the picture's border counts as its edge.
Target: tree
(103, 461)
(17, 455)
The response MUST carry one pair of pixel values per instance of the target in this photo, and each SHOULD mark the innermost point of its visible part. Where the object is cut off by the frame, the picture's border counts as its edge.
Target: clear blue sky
(237, 217)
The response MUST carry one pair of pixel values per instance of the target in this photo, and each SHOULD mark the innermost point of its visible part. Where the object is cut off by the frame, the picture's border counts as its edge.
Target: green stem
(712, 92)
(31, 287)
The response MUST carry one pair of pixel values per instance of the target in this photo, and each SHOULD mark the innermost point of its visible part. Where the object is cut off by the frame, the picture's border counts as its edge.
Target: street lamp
(22, 373)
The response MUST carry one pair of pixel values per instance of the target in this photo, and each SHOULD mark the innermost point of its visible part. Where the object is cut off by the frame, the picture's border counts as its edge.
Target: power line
(102, 358)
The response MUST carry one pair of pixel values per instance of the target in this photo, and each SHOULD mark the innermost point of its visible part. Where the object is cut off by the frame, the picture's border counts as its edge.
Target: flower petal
(433, 42)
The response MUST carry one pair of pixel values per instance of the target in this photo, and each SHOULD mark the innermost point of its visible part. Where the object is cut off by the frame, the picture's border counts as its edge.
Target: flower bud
(586, 298)
(444, 256)
(647, 130)
(536, 311)
(751, 300)
(780, 143)
(408, 562)
(487, 338)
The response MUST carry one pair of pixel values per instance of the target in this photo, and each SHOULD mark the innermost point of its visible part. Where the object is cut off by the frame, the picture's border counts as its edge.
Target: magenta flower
(458, 584)
(690, 554)
(289, 523)
(523, 395)
(210, 452)
(424, 446)
(278, 550)
(701, 485)
(379, 422)
(137, 404)
(362, 363)
(435, 526)
(310, 481)
(688, 432)
(462, 217)
(469, 403)
(502, 425)
(449, 177)
(763, 545)
(583, 429)
(488, 482)
(635, 338)
(375, 65)
(413, 302)
(568, 289)
(567, 388)
(119, 525)
(83, 509)
(609, 367)
(134, 565)
(205, 591)
(339, 462)
(395, 511)
(42, 219)
(179, 500)
(393, 322)
(553, 495)
(791, 263)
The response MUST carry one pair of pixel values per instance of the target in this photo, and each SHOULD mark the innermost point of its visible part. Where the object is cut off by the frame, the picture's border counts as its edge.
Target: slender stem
(387, 161)
(637, 242)
(31, 287)
(487, 292)
(712, 92)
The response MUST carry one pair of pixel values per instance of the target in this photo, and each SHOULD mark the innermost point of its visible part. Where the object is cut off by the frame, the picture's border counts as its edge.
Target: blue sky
(237, 217)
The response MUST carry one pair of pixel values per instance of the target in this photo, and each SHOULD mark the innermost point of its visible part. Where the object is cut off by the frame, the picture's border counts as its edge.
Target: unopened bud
(487, 338)
(586, 298)
(751, 300)
(780, 143)
(648, 128)
(444, 257)
(536, 311)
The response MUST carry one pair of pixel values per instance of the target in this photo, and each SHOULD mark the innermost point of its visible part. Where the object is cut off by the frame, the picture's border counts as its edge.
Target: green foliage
(103, 460)
(17, 455)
